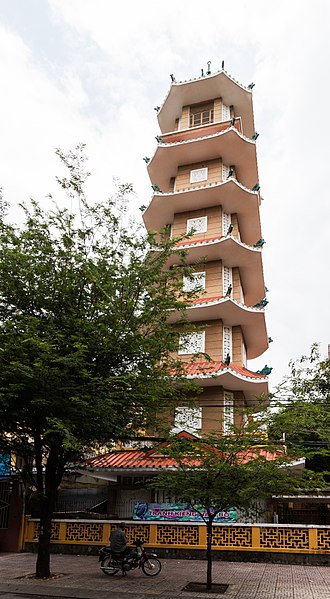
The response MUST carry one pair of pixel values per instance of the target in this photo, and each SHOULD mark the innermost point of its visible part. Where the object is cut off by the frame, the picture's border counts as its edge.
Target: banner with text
(179, 512)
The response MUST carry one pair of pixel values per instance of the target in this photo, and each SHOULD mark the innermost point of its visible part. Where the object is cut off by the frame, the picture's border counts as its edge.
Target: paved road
(79, 577)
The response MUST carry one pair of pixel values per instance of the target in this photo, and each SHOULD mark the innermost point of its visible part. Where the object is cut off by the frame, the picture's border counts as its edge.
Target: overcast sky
(93, 70)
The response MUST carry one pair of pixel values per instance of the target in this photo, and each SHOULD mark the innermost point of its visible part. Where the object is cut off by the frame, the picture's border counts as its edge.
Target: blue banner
(178, 512)
(4, 464)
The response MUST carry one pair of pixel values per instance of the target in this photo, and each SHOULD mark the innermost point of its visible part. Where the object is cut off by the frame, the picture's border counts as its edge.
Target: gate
(5, 491)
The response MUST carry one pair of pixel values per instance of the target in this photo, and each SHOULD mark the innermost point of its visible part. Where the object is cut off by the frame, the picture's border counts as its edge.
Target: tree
(303, 403)
(223, 471)
(85, 344)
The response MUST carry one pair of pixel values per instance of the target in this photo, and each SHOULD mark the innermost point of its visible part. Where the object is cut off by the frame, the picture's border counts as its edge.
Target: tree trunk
(43, 559)
(53, 476)
(209, 555)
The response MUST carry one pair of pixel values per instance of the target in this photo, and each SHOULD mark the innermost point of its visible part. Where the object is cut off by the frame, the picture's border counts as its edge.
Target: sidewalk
(80, 577)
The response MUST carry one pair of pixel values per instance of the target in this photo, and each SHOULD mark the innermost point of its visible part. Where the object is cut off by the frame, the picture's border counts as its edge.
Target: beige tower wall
(183, 176)
(214, 222)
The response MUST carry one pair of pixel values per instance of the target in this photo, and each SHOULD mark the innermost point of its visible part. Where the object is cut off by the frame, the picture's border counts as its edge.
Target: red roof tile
(137, 458)
(205, 300)
(147, 459)
(193, 241)
(204, 368)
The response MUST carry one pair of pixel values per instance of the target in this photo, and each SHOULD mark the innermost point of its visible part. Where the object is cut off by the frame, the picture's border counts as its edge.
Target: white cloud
(112, 68)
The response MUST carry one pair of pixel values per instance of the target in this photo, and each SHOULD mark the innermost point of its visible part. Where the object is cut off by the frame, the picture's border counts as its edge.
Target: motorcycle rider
(118, 540)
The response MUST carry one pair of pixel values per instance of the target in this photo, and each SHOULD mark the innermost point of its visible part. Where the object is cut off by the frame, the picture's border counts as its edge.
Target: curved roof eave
(201, 89)
(251, 320)
(230, 194)
(252, 386)
(235, 254)
(231, 145)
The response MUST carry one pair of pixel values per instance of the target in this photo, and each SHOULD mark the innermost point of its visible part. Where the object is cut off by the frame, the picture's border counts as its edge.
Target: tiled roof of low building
(152, 459)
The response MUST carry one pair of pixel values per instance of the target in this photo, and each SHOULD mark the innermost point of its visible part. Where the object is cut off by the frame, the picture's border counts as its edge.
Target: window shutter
(227, 278)
(225, 172)
(244, 360)
(228, 411)
(225, 112)
(226, 222)
(227, 342)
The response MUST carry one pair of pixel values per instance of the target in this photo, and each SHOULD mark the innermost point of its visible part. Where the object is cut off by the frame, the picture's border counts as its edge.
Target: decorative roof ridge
(222, 299)
(210, 77)
(218, 239)
(200, 187)
(204, 77)
(221, 367)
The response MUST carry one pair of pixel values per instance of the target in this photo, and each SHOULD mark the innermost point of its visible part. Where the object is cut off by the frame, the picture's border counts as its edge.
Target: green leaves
(86, 347)
(303, 416)
(221, 471)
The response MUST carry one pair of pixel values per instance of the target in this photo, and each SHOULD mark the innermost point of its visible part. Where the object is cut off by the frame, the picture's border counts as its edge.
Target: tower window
(192, 343)
(197, 225)
(201, 114)
(188, 419)
(198, 174)
(195, 281)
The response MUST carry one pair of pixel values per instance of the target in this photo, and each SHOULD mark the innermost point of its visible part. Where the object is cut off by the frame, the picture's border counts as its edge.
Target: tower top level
(203, 89)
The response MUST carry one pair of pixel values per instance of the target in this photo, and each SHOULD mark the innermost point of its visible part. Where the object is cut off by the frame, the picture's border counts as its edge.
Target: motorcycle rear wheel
(151, 566)
(111, 567)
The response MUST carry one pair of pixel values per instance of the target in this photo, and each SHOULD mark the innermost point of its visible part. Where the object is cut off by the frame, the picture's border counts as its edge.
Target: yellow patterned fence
(229, 537)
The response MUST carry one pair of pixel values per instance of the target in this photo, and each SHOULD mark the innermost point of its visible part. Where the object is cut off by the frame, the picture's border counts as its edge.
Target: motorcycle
(112, 562)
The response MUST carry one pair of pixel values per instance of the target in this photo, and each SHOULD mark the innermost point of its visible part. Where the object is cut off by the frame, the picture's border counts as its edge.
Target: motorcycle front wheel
(151, 566)
(109, 567)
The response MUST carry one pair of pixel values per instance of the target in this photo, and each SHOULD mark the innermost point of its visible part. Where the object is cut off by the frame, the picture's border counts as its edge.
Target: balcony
(200, 131)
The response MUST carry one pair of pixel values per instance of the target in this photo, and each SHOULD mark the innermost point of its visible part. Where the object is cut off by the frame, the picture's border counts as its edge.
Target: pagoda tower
(204, 175)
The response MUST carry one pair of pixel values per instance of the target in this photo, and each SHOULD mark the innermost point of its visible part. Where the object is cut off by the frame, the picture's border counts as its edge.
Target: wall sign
(178, 512)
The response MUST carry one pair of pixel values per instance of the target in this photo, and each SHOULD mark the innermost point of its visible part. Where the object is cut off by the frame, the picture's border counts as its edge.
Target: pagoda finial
(223, 65)
(208, 72)
(251, 86)
(172, 78)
